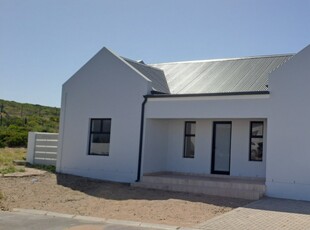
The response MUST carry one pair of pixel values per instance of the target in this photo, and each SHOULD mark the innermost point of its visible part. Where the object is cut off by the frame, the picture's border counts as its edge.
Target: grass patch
(48, 168)
(11, 169)
(7, 155)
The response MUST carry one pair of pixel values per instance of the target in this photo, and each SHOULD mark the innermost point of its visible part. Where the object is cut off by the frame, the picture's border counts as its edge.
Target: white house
(242, 120)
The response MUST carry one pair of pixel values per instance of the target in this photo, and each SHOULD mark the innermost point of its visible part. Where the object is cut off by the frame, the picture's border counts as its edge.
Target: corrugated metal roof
(157, 76)
(216, 76)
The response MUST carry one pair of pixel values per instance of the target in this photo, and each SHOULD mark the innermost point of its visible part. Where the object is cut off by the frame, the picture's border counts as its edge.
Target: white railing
(42, 148)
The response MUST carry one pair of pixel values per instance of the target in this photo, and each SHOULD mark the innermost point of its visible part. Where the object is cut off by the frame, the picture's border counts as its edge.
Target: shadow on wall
(122, 191)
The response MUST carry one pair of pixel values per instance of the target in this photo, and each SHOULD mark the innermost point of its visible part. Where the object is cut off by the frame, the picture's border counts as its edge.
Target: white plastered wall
(105, 87)
(288, 161)
(155, 145)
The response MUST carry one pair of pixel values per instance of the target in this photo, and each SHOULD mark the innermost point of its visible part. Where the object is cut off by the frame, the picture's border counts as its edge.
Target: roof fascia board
(208, 94)
(213, 98)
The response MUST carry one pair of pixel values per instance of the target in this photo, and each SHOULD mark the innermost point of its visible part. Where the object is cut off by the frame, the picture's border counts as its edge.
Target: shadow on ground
(281, 205)
(122, 191)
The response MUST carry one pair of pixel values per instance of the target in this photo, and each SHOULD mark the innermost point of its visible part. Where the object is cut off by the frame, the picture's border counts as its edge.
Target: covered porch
(225, 157)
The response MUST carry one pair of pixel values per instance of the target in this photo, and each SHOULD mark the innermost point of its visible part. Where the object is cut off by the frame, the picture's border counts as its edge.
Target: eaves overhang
(162, 95)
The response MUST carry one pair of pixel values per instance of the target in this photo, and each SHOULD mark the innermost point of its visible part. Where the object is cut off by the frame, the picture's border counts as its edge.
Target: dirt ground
(82, 196)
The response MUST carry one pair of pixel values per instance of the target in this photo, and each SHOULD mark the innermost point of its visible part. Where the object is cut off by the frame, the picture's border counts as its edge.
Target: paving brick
(268, 213)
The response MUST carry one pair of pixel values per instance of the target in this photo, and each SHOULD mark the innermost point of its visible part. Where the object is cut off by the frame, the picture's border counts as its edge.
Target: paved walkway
(267, 213)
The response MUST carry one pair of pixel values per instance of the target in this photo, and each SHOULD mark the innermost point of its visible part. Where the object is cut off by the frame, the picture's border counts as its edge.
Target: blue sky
(44, 42)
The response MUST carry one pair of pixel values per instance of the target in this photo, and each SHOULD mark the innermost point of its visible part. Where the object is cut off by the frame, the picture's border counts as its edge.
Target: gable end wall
(288, 167)
(104, 88)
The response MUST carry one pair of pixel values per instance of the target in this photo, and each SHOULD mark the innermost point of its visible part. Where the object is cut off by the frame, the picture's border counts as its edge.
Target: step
(215, 191)
(207, 182)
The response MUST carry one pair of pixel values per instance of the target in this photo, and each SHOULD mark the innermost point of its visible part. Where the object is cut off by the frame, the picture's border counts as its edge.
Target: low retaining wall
(42, 148)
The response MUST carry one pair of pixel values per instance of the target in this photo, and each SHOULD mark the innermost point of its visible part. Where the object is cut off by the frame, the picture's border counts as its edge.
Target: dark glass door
(221, 147)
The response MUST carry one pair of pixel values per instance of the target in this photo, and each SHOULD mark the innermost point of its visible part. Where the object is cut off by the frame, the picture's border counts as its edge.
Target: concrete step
(245, 189)
(208, 182)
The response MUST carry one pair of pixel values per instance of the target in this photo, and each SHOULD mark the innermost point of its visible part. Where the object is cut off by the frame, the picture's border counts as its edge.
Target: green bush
(18, 119)
(17, 140)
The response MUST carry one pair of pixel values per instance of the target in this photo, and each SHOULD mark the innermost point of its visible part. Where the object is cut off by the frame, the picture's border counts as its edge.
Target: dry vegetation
(7, 155)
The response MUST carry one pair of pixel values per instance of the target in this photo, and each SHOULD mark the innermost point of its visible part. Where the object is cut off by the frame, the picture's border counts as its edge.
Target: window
(99, 137)
(189, 139)
(256, 140)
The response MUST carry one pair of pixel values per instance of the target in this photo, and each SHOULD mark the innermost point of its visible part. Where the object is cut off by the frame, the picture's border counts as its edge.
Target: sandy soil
(82, 196)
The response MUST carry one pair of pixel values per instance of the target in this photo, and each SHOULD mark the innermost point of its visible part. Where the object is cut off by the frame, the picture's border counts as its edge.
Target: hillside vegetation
(17, 119)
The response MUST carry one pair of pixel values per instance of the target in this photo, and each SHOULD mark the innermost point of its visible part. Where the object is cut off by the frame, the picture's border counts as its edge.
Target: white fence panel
(42, 148)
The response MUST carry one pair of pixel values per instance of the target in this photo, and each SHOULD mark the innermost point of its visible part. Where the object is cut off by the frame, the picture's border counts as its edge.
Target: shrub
(17, 140)
(19, 119)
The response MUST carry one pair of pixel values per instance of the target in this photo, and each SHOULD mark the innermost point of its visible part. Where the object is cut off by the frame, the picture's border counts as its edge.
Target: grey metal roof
(216, 76)
(157, 76)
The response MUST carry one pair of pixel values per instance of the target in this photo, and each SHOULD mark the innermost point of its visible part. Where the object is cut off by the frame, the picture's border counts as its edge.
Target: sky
(44, 42)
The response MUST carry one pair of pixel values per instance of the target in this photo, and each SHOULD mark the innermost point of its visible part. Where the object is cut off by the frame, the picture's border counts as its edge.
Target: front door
(221, 148)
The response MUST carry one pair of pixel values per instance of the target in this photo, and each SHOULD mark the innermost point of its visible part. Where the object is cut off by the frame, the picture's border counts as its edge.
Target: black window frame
(101, 132)
(186, 135)
(256, 136)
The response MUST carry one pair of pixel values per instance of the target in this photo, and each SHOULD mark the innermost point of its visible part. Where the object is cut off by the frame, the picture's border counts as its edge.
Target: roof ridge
(149, 72)
(225, 59)
(139, 63)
